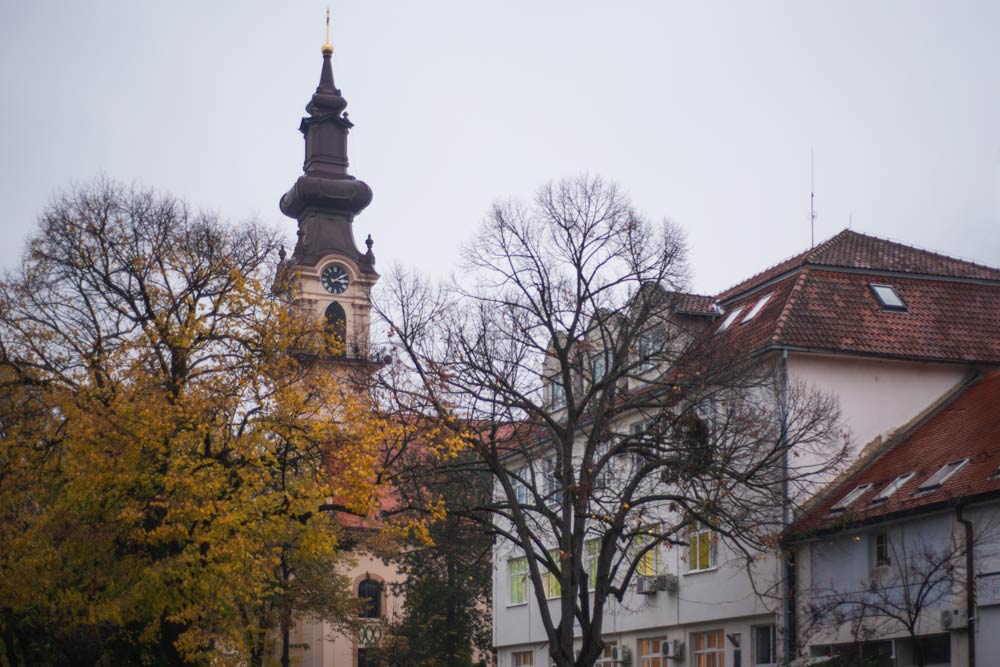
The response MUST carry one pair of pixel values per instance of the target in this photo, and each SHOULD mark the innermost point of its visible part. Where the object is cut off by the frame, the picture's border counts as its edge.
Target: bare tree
(566, 356)
(919, 569)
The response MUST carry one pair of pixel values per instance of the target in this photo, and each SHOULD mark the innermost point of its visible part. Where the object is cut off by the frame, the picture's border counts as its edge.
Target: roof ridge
(918, 248)
(789, 302)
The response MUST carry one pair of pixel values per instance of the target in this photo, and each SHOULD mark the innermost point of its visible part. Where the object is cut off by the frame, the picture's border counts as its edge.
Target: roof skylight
(893, 487)
(942, 475)
(757, 307)
(887, 297)
(842, 504)
(730, 318)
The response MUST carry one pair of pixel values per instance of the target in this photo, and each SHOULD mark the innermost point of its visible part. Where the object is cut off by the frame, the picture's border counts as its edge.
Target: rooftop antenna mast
(812, 200)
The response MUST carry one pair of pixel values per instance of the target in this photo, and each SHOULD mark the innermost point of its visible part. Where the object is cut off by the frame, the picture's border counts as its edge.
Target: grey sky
(704, 112)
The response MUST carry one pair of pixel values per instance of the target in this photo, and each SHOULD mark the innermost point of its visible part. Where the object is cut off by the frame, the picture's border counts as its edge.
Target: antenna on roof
(812, 200)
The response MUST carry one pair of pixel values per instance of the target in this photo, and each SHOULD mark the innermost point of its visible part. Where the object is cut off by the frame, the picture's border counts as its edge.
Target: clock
(334, 279)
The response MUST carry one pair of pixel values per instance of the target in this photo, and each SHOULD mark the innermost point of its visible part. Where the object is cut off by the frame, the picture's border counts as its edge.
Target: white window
(887, 297)
(893, 486)
(517, 572)
(764, 645)
(881, 544)
(650, 654)
(607, 658)
(649, 562)
(702, 550)
(550, 481)
(523, 659)
(557, 394)
(708, 649)
(942, 475)
(844, 502)
(593, 553)
(550, 580)
(598, 366)
(757, 307)
(520, 488)
(650, 347)
(730, 318)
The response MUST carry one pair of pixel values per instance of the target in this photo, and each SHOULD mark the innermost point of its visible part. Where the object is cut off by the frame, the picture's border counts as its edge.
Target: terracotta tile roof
(853, 250)
(967, 427)
(694, 304)
(825, 308)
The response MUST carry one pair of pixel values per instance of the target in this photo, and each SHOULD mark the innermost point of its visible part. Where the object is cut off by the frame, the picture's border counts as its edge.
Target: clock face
(334, 279)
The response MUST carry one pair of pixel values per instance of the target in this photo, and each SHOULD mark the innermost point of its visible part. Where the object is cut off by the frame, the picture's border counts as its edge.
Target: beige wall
(322, 645)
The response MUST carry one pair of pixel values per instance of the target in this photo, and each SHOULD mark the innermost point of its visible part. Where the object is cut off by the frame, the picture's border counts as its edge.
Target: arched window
(370, 592)
(336, 323)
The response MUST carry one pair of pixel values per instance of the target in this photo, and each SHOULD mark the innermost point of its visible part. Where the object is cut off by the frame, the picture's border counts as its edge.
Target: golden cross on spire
(327, 46)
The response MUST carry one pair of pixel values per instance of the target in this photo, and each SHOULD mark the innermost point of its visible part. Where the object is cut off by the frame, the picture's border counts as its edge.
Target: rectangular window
(708, 649)
(593, 553)
(649, 562)
(730, 318)
(550, 482)
(893, 486)
(550, 580)
(942, 475)
(607, 658)
(650, 348)
(887, 297)
(523, 659)
(598, 366)
(650, 652)
(842, 504)
(757, 307)
(517, 572)
(557, 394)
(520, 488)
(702, 548)
(764, 645)
(882, 550)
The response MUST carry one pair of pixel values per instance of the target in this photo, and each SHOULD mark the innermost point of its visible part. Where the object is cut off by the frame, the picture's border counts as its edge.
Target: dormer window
(888, 298)
(757, 307)
(894, 486)
(941, 476)
(730, 318)
(845, 502)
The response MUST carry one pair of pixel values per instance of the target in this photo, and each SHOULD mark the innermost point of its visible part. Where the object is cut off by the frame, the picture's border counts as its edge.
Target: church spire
(326, 197)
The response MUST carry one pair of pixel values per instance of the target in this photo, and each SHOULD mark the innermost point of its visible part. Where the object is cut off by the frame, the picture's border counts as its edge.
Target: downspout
(970, 581)
(787, 560)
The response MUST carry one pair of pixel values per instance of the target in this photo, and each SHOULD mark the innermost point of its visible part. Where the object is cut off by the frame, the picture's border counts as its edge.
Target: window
(730, 318)
(764, 645)
(336, 326)
(593, 553)
(757, 307)
(607, 658)
(707, 649)
(702, 550)
(942, 475)
(650, 346)
(649, 562)
(843, 503)
(557, 394)
(370, 591)
(550, 481)
(550, 580)
(598, 366)
(604, 475)
(523, 659)
(882, 550)
(517, 572)
(520, 488)
(650, 652)
(365, 660)
(887, 297)
(892, 488)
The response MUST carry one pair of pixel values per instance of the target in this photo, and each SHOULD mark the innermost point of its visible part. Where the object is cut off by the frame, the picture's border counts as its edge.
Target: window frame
(718, 652)
(730, 318)
(885, 302)
(941, 475)
(592, 548)
(757, 307)
(712, 551)
(755, 657)
(517, 576)
(650, 563)
(850, 498)
(517, 659)
(881, 557)
(375, 610)
(656, 653)
(892, 487)
(551, 587)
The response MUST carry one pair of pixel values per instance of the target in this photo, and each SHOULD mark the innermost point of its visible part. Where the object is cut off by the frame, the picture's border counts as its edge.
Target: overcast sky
(705, 112)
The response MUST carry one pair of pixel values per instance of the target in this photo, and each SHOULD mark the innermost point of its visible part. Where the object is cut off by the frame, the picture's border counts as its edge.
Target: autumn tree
(609, 424)
(169, 441)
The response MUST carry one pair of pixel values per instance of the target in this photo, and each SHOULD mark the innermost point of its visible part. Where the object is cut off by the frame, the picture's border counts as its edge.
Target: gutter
(970, 581)
(787, 555)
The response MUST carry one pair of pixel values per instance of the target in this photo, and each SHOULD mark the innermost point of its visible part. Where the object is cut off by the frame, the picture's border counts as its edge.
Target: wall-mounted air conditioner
(954, 619)
(645, 585)
(621, 655)
(672, 648)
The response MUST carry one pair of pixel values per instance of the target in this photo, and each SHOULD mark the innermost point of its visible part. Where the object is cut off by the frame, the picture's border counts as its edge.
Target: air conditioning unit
(621, 655)
(645, 585)
(672, 648)
(954, 619)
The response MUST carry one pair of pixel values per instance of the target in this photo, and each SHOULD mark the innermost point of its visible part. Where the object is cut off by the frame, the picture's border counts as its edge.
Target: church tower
(332, 277)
